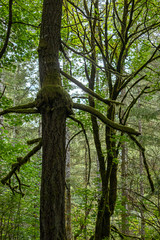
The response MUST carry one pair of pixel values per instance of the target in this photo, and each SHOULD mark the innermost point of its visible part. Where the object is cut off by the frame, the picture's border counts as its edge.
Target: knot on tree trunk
(52, 97)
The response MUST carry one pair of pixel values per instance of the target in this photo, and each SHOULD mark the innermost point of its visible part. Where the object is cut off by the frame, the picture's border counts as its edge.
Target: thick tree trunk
(53, 175)
(54, 104)
(102, 230)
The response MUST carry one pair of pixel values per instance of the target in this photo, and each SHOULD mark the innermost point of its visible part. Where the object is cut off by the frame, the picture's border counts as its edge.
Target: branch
(126, 113)
(135, 83)
(26, 108)
(87, 142)
(3, 92)
(142, 149)
(151, 59)
(89, 91)
(73, 138)
(83, 55)
(21, 161)
(27, 24)
(122, 235)
(27, 111)
(105, 120)
(30, 142)
(8, 30)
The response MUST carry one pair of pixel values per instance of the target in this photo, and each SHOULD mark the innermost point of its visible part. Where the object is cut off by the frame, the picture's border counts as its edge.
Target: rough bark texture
(52, 101)
(53, 174)
(50, 42)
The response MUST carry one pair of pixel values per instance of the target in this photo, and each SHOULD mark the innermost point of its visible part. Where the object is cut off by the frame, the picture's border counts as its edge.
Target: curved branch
(105, 120)
(8, 30)
(88, 90)
(72, 139)
(122, 235)
(126, 113)
(21, 161)
(142, 149)
(87, 142)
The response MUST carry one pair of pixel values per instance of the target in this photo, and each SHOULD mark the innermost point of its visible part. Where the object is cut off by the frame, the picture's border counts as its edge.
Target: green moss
(48, 96)
(42, 44)
(52, 78)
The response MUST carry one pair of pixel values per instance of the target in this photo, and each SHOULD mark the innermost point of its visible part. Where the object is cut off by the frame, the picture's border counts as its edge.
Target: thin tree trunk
(124, 215)
(86, 196)
(141, 188)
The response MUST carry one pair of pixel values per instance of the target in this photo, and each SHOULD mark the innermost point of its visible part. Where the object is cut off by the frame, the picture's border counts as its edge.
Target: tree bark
(53, 103)
(52, 211)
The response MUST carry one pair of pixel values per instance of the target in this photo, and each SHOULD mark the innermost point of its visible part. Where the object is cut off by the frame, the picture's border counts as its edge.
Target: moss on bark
(49, 94)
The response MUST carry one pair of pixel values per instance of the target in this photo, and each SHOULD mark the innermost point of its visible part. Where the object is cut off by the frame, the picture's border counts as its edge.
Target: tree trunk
(54, 104)
(142, 231)
(124, 215)
(53, 175)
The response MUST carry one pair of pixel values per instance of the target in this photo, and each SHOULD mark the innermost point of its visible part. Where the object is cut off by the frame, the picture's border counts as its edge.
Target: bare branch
(142, 149)
(105, 120)
(126, 113)
(87, 142)
(27, 24)
(89, 91)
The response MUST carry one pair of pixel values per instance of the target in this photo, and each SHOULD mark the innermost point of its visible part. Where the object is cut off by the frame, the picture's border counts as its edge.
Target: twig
(3, 92)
